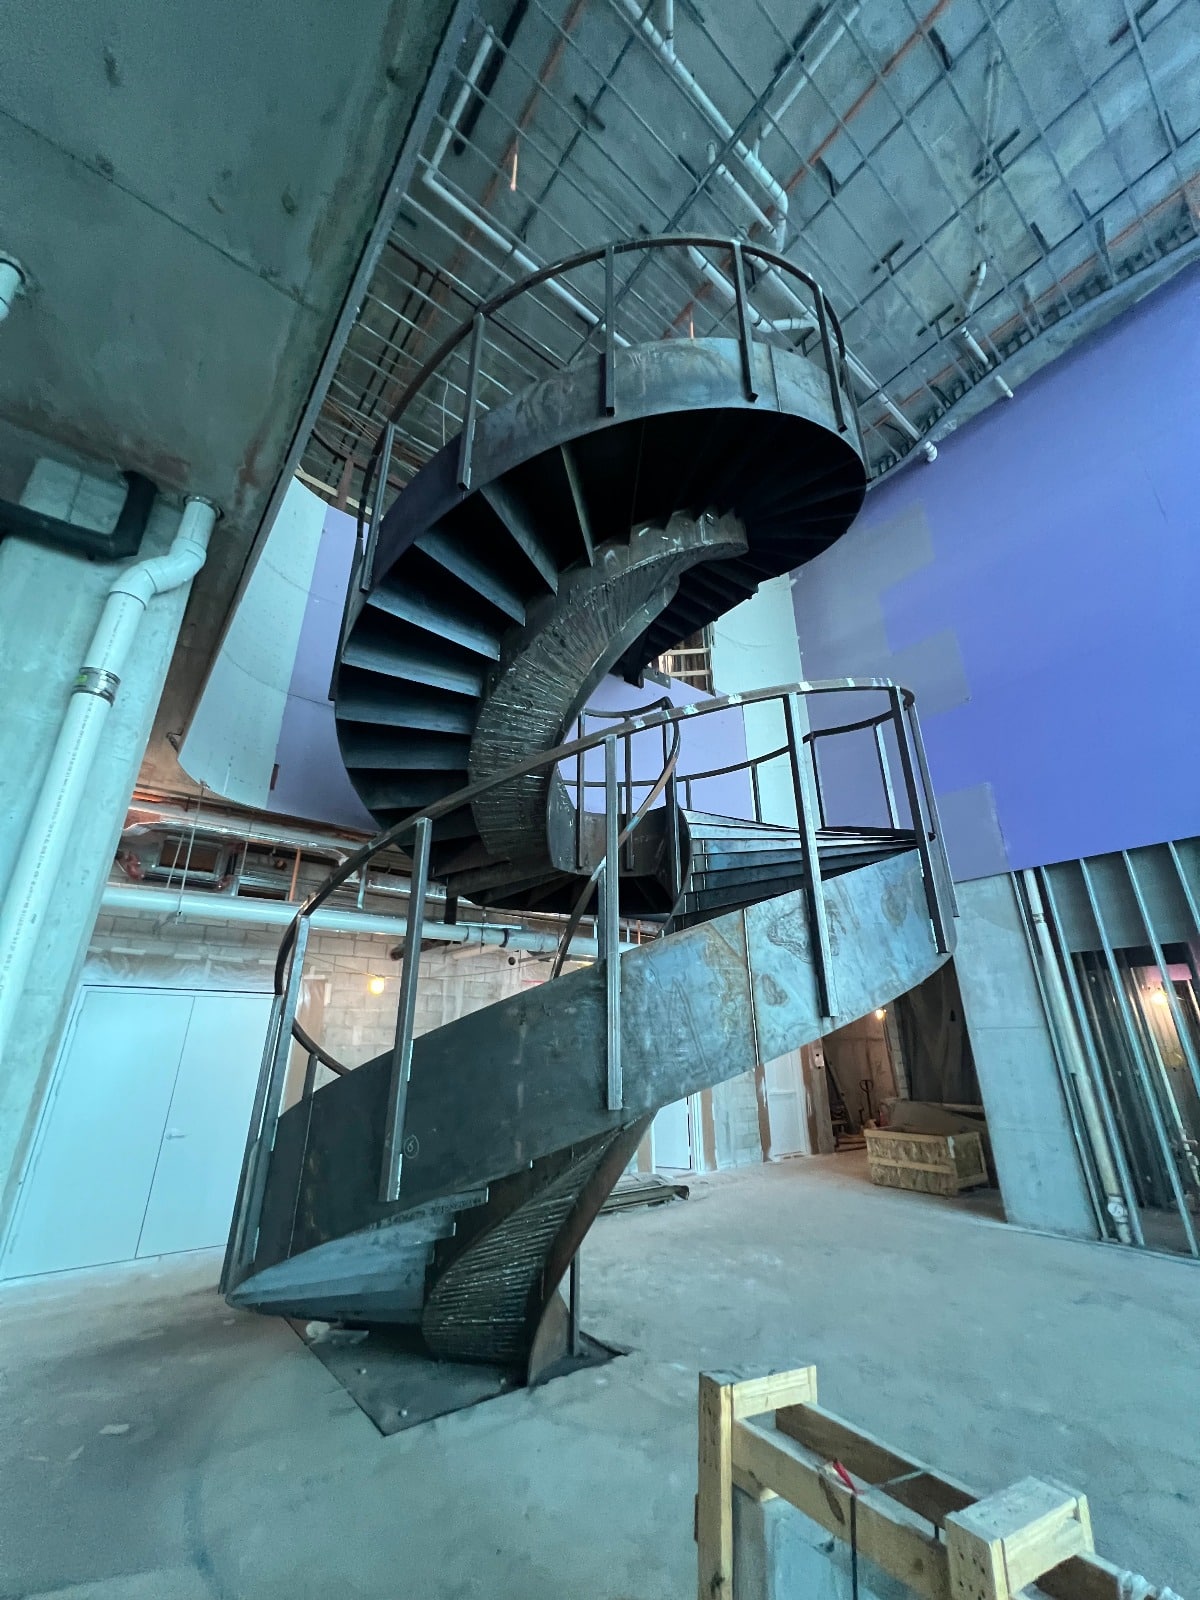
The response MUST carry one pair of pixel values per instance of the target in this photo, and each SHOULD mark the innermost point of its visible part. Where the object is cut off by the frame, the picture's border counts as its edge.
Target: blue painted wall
(1038, 586)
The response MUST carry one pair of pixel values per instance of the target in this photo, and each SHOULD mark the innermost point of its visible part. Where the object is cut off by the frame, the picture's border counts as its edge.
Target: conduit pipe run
(194, 905)
(431, 177)
(48, 834)
(665, 50)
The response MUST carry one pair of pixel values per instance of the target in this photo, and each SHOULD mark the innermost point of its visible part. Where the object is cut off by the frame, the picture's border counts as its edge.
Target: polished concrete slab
(155, 1444)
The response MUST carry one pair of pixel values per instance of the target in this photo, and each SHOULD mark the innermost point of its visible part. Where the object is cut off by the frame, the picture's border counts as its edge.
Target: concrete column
(1037, 1159)
(49, 606)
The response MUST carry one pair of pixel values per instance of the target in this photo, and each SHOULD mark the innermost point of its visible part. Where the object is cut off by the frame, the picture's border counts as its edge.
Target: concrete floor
(156, 1446)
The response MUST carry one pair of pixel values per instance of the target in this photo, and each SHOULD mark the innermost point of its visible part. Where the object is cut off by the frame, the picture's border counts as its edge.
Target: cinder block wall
(337, 1006)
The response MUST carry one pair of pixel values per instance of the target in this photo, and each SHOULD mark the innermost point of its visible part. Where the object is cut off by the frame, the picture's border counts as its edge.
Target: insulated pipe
(666, 53)
(48, 834)
(1063, 1024)
(12, 281)
(194, 905)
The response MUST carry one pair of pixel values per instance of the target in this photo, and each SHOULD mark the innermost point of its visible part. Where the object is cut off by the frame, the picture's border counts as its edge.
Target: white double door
(140, 1142)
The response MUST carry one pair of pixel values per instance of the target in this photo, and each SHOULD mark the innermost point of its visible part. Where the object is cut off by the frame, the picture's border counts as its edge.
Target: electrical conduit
(48, 834)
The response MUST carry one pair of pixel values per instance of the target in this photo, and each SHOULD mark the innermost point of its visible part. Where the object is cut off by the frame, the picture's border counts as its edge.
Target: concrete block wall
(337, 1006)
(736, 1129)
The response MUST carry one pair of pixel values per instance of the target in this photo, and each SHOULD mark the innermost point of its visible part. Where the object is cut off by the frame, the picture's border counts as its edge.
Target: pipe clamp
(98, 681)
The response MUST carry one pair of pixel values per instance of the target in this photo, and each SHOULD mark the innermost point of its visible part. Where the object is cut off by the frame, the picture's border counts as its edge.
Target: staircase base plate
(395, 1382)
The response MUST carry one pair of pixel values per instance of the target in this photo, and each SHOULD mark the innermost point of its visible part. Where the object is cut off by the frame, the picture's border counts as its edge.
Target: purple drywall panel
(1037, 587)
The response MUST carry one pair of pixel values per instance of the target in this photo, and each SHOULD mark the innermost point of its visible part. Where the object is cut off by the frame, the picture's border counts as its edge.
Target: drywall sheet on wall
(1036, 587)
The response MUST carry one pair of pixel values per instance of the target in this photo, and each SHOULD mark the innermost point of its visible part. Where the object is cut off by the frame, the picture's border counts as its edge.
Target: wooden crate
(933, 1163)
(768, 1437)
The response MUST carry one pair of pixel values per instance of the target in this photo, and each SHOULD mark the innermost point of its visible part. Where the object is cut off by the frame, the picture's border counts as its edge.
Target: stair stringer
(697, 1007)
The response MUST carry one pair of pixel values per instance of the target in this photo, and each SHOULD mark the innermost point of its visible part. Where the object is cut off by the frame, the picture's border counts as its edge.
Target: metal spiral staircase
(574, 522)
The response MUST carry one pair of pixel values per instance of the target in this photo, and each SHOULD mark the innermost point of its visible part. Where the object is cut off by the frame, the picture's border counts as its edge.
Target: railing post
(935, 821)
(580, 795)
(755, 792)
(629, 807)
(610, 934)
(889, 794)
(831, 367)
(671, 800)
(310, 1076)
(466, 443)
(393, 1128)
(271, 1082)
(610, 336)
(818, 792)
(366, 575)
(743, 316)
(933, 897)
(800, 756)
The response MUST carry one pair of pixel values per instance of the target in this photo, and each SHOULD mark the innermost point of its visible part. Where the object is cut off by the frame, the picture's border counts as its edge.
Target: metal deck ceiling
(975, 182)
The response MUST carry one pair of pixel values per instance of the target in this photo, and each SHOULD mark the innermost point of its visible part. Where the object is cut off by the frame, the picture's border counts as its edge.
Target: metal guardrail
(477, 340)
(665, 720)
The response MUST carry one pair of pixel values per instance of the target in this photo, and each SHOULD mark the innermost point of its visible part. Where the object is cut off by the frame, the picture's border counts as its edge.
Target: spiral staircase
(568, 528)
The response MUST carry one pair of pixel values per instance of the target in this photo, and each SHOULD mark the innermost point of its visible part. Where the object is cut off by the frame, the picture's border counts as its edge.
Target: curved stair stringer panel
(700, 1006)
(567, 645)
(491, 1283)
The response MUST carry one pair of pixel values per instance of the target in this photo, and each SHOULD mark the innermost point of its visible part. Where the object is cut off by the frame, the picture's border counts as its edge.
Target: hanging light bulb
(880, 1014)
(376, 984)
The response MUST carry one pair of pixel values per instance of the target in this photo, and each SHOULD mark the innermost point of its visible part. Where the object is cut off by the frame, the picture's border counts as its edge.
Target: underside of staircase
(599, 516)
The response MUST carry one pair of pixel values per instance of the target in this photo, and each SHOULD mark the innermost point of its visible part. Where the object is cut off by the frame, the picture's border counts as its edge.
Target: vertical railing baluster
(885, 774)
(275, 1061)
(466, 443)
(671, 801)
(628, 817)
(908, 769)
(818, 791)
(406, 1010)
(935, 821)
(835, 388)
(755, 792)
(580, 796)
(800, 757)
(610, 336)
(743, 319)
(378, 506)
(610, 914)
(310, 1076)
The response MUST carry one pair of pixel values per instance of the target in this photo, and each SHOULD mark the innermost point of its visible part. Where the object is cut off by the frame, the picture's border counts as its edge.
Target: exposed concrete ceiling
(963, 176)
(190, 190)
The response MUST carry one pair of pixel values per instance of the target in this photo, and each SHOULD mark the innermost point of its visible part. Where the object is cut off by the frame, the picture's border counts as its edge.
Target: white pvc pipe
(64, 787)
(12, 281)
(195, 905)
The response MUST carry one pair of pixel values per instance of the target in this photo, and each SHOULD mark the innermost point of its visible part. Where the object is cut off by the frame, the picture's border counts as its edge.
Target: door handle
(173, 1133)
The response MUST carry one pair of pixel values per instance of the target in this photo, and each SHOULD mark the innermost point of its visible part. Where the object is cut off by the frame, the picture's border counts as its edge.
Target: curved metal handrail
(563, 752)
(471, 328)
